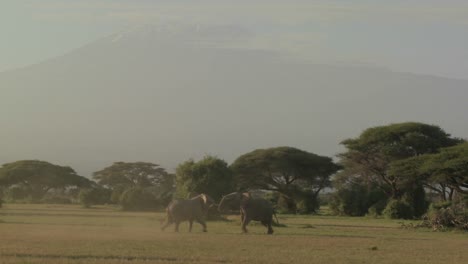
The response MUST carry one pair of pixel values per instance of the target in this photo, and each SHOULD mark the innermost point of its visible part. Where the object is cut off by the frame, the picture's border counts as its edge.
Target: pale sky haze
(418, 36)
(86, 83)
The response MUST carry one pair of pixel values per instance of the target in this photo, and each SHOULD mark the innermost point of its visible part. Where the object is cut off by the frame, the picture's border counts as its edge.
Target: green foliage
(325, 198)
(17, 193)
(403, 140)
(286, 170)
(306, 203)
(440, 205)
(388, 157)
(286, 205)
(116, 193)
(416, 198)
(94, 196)
(137, 198)
(449, 167)
(132, 174)
(137, 185)
(351, 201)
(210, 175)
(446, 217)
(38, 177)
(398, 209)
(371, 154)
(56, 200)
(373, 212)
(357, 199)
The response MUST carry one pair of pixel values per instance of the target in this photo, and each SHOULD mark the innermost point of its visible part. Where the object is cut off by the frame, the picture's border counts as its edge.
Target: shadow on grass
(70, 215)
(113, 257)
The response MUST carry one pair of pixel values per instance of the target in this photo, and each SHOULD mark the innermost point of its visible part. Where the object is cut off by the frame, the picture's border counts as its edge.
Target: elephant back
(185, 209)
(259, 209)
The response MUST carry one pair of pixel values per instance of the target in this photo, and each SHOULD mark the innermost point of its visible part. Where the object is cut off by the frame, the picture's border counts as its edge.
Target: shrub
(307, 203)
(116, 194)
(439, 205)
(286, 205)
(17, 193)
(89, 197)
(135, 199)
(372, 212)
(398, 209)
(351, 201)
(416, 198)
(442, 218)
(57, 200)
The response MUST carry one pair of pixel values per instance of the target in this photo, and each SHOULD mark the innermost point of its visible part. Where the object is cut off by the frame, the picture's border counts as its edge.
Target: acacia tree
(147, 178)
(131, 174)
(38, 177)
(445, 172)
(294, 173)
(370, 155)
(210, 175)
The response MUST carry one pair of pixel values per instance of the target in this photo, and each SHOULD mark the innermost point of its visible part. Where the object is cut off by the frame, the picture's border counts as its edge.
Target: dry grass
(70, 234)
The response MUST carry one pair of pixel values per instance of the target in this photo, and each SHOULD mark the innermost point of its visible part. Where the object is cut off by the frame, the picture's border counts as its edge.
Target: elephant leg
(203, 224)
(190, 225)
(177, 226)
(245, 222)
(270, 229)
(267, 224)
(168, 223)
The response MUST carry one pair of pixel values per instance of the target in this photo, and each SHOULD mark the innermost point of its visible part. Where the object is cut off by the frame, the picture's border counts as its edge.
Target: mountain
(168, 93)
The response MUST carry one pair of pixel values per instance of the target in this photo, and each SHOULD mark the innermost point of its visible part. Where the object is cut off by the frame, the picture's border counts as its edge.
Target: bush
(356, 200)
(116, 194)
(57, 200)
(398, 209)
(135, 199)
(307, 203)
(442, 218)
(286, 205)
(439, 205)
(17, 193)
(416, 198)
(90, 197)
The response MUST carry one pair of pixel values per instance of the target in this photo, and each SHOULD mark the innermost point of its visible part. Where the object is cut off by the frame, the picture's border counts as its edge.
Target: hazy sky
(419, 36)
(170, 80)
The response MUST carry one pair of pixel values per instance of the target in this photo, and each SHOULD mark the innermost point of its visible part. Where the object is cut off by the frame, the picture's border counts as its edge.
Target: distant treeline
(397, 170)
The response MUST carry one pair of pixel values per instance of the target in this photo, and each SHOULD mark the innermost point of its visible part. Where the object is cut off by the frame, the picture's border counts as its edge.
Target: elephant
(188, 210)
(251, 208)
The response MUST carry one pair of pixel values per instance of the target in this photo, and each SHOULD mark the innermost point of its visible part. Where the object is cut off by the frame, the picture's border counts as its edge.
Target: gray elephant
(193, 209)
(251, 208)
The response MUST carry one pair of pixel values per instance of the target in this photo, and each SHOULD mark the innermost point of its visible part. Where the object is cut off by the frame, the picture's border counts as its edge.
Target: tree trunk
(288, 203)
(450, 196)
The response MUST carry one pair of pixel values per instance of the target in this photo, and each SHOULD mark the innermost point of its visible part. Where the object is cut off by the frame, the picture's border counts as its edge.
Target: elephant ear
(245, 197)
(206, 201)
(204, 198)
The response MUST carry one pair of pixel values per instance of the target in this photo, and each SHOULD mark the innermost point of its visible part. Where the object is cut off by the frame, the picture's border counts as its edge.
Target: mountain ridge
(166, 100)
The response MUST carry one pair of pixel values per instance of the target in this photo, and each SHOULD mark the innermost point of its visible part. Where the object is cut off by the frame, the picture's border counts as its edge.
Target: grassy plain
(70, 234)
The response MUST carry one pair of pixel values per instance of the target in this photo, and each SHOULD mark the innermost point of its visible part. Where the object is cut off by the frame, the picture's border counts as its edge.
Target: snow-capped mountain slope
(166, 94)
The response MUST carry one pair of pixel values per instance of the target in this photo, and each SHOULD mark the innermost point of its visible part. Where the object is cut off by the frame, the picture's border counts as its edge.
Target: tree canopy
(132, 174)
(371, 154)
(210, 175)
(287, 170)
(40, 176)
(443, 172)
(127, 179)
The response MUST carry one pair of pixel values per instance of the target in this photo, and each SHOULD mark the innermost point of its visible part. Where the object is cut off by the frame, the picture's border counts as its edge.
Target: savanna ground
(71, 234)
